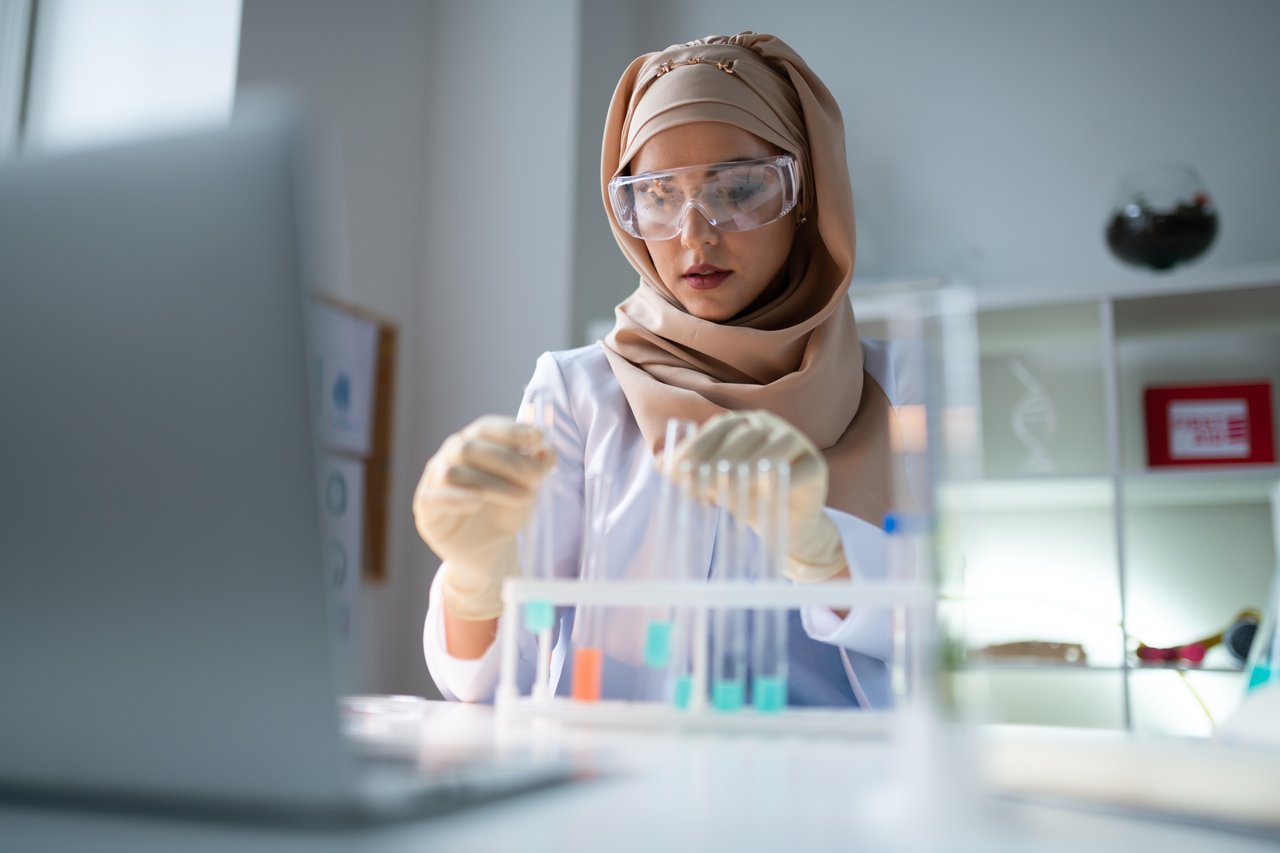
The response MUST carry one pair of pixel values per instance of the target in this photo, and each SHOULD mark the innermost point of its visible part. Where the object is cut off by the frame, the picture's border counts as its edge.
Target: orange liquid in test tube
(588, 666)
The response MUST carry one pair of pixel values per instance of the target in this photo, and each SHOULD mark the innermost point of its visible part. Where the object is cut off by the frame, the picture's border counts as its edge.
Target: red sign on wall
(1210, 425)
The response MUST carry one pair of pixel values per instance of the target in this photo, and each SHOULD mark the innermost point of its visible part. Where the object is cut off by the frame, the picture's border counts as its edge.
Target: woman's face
(714, 274)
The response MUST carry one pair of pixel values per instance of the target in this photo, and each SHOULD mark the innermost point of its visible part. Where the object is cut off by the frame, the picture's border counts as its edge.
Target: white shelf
(1236, 310)
(1051, 666)
(1029, 494)
(1134, 286)
(1152, 546)
(1201, 486)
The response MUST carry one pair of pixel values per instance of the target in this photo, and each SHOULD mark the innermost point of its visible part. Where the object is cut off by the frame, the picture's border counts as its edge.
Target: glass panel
(1204, 338)
(1043, 398)
(1083, 699)
(1183, 703)
(1038, 576)
(1192, 567)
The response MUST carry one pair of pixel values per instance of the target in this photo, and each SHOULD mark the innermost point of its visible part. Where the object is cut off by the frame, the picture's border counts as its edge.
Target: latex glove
(814, 550)
(475, 495)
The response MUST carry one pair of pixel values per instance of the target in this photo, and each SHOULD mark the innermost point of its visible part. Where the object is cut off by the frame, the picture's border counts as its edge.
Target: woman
(725, 181)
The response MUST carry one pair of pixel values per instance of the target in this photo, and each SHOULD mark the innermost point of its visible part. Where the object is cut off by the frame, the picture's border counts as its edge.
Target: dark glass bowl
(1163, 217)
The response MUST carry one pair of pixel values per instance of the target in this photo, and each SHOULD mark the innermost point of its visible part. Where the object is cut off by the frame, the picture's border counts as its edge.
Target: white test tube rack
(701, 598)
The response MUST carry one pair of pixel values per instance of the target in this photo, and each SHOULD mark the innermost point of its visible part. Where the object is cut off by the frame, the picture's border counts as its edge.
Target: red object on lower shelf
(1226, 424)
(1190, 653)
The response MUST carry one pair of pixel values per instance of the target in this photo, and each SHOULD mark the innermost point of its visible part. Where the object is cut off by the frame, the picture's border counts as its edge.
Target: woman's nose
(696, 229)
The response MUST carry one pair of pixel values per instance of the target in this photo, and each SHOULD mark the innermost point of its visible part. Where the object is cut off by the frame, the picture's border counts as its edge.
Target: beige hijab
(797, 356)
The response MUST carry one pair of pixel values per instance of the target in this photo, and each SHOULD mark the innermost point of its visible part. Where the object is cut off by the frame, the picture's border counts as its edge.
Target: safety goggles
(737, 196)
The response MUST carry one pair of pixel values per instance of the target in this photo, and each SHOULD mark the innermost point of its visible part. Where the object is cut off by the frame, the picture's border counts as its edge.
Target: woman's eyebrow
(706, 166)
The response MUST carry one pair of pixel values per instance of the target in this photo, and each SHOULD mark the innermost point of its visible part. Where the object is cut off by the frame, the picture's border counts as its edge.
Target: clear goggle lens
(738, 196)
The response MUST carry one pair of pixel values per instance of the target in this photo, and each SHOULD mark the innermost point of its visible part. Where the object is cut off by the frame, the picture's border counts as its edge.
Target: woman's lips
(705, 276)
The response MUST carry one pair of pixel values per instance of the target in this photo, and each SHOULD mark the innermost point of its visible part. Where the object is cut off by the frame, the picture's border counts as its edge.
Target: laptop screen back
(163, 628)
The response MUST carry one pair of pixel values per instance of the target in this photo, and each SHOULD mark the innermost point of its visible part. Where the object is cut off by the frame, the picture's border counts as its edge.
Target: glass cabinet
(1076, 548)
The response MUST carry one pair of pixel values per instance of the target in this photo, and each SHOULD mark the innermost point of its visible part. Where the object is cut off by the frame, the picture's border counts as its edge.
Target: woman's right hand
(475, 495)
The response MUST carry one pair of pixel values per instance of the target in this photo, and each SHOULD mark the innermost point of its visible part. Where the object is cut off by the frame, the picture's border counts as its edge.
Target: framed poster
(1227, 424)
(352, 378)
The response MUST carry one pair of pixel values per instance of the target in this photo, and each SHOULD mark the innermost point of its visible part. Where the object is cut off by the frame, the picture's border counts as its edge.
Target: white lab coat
(831, 661)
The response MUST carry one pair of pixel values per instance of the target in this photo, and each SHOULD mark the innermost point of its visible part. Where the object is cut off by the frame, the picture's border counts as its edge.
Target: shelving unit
(1078, 540)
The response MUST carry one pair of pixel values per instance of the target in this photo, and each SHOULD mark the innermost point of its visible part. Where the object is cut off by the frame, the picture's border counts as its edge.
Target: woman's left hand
(815, 552)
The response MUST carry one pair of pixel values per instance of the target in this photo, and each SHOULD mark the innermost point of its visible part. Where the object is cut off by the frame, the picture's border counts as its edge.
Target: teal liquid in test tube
(1264, 652)
(667, 552)
(769, 635)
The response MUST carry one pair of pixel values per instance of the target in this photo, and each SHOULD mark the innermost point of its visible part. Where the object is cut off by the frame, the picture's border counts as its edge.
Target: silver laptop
(164, 629)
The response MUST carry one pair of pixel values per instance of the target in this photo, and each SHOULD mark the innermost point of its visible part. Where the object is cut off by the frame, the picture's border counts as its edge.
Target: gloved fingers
(440, 511)
(705, 444)
(506, 431)
(741, 446)
(788, 444)
(494, 445)
(782, 447)
(501, 461)
(808, 469)
(488, 487)
(447, 499)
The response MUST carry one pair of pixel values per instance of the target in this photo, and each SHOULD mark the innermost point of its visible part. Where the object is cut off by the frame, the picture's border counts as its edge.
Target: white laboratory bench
(671, 792)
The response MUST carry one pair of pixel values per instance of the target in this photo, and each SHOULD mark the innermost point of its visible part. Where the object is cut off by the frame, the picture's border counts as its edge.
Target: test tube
(588, 654)
(729, 652)
(769, 639)
(906, 535)
(666, 551)
(1263, 665)
(538, 562)
(694, 696)
(684, 542)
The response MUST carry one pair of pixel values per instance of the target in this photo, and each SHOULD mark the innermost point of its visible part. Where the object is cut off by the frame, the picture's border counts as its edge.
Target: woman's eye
(737, 192)
(654, 195)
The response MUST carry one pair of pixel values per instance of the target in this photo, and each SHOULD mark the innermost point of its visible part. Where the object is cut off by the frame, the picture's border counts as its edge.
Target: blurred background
(985, 140)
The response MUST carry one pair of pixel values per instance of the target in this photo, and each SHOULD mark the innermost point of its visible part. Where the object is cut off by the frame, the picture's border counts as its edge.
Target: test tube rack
(911, 671)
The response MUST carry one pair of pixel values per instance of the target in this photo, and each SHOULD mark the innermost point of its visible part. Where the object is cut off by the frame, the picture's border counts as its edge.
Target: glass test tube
(769, 638)
(1263, 665)
(667, 553)
(905, 534)
(691, 691)
(538, 559)
(588, 630)
(729, 637)
(685, 545)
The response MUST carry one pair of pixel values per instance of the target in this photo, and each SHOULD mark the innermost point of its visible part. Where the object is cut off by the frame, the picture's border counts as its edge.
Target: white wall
(500, 201)
(985, 137)
(601, 275)
(362, 70)
(438, 116)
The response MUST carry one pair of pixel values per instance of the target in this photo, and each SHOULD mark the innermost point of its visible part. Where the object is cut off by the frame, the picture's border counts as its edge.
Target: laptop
(164, 630)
